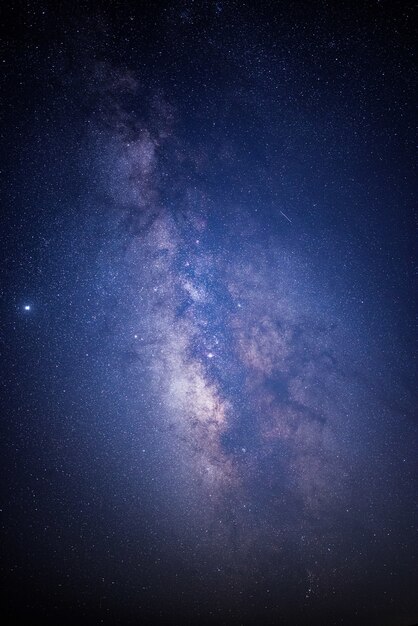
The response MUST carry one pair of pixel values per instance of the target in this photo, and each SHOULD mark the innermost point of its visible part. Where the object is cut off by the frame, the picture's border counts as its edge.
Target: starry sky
(208, 373)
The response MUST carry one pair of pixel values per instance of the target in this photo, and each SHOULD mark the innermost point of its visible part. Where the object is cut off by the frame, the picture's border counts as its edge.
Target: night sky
(208, 374)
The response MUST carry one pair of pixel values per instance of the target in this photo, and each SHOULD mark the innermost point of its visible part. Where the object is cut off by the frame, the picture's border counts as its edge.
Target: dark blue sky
(207, 316)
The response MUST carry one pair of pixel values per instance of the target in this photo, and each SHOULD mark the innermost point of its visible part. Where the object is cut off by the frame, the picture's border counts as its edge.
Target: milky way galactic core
(208, 365)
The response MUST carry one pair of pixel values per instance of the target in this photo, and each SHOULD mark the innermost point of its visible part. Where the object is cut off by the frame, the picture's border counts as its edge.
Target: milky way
(210, 380)
(259, 385)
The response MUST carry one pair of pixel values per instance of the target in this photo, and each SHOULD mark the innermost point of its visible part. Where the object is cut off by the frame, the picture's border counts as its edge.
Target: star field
(207, 322)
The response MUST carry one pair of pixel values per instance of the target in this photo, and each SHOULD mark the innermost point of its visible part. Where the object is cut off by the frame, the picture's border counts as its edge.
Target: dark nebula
(207, 319)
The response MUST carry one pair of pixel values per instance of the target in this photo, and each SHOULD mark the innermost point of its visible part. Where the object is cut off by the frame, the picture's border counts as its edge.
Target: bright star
(27, 307)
